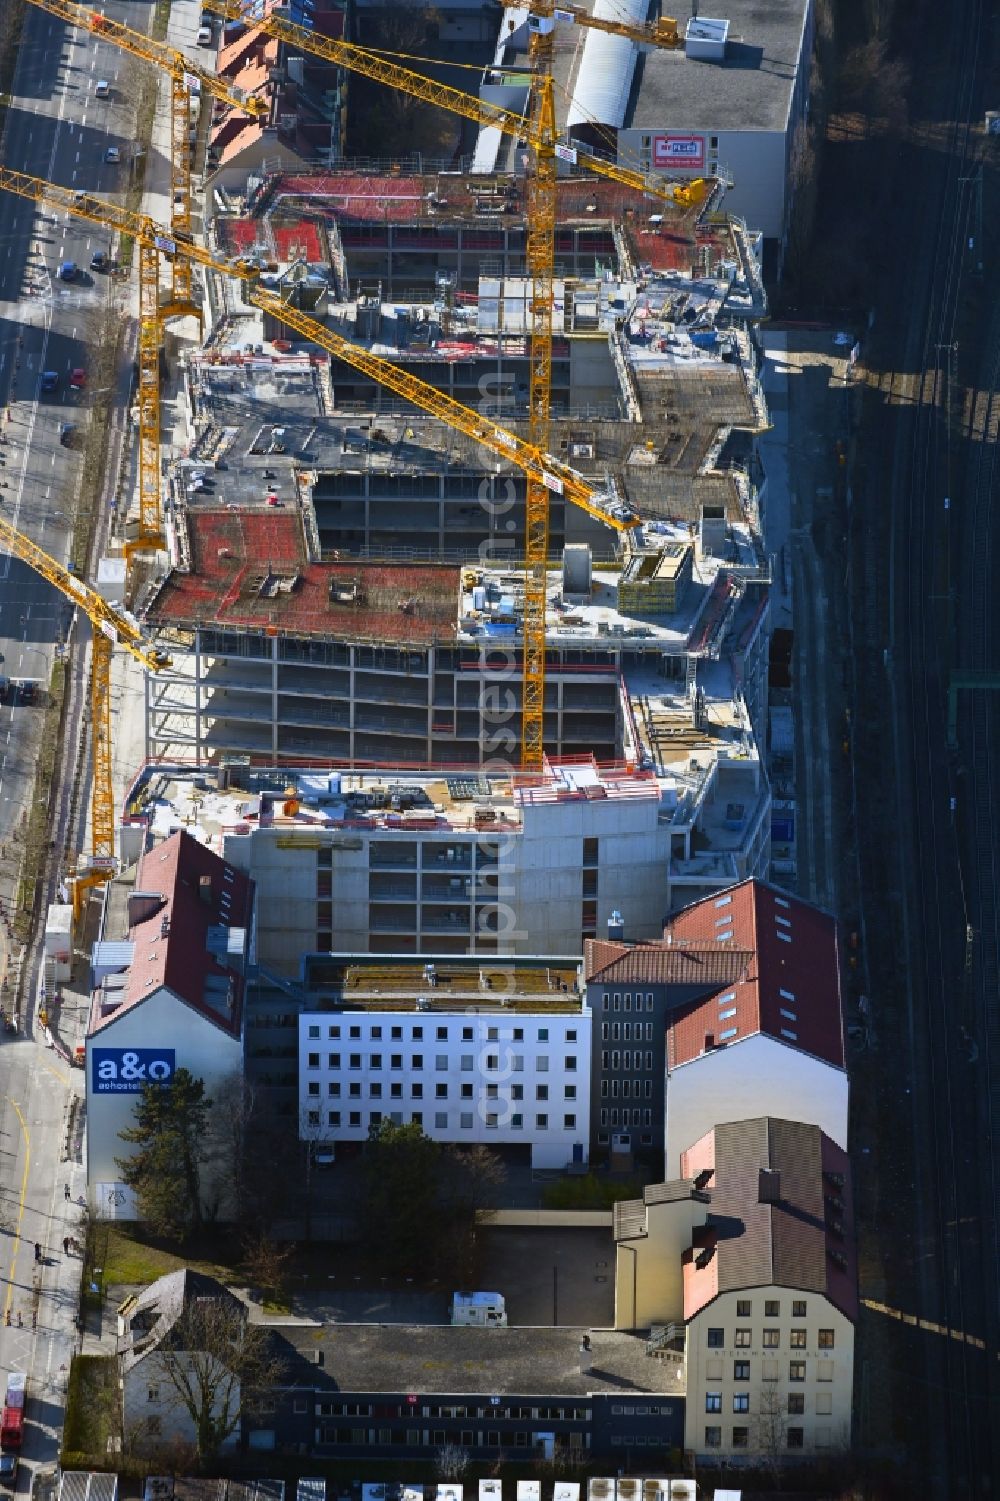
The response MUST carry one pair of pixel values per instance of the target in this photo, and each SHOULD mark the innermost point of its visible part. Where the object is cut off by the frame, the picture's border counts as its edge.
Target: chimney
(709, 1041)
(205, 889)
(616, 928)
(586, 1355)
(769, 1186)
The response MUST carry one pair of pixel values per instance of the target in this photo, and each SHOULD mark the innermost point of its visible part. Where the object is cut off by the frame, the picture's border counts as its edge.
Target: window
(466, 1091)
(824, 1370)
(395, 1060)
(355, 1031)
(314, 1087)
(542, 1064)
(376, 1032)
(517, 1091)
(741, 1402)
(333, 1118)
(491, 1120)
(333, 1060)
(796, 1370)
(570, 1063)
(796, 1438)
(798, 1308)
(541, 1123)
(713, 1438)
(354, 1090)
(441, 1120)
(466, 1034)
(466, 1062)
(741, 1370)
(826, 1339)
(416, 1091)
(569, 1122)
(313, 1118)
(492, 1091)
(716, 1339)
(314, 1060)
(441, 1034)
(743, 1308)
(571, 1034)
(741, 1339)
(152, 1394)
(396, 1033)
(465, 1121)
(713, 1401)
(375, 1091)
(441, 1063)
(543, 1034)
(153, 1426)
(418, 1034)
(741, 1438)
(518, 1034)
(314, 1031)
(333, 1032)
(440, 1091)
(541, 1091)
(797, 1339)
(516, 1122)
(796, 1403)
(417, 1117)
(772, 1308)
(417, 1061)
(569, 1092)
(492, 1062)
(376, 1118)
(824, 1404)
(772, 1339)
(395, 1091)
(354, 1061)
(355, 1118)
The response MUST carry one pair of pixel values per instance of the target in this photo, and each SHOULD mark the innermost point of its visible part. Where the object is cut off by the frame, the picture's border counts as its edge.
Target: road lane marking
(16, 1245)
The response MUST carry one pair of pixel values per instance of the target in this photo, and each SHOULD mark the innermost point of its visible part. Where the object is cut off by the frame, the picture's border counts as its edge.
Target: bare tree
(266, 1264)
(770, 1429)
(452, 1462)
(218, 1365)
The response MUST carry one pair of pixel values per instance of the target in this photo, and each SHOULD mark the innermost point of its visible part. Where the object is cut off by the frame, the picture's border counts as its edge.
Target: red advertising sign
(670, 151)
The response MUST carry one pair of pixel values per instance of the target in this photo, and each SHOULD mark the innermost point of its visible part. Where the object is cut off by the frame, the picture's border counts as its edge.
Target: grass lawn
(91, 1405)
(123, 1258)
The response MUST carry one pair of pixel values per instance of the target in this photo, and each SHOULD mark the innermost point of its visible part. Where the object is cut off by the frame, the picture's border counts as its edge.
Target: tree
(266, 1264)
(770, 1428)
(219, 1365)
(164, 1172)
(452, 1462)
(400, 1213)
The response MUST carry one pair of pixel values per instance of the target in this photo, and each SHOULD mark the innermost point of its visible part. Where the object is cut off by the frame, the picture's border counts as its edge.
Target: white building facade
(494, 1078)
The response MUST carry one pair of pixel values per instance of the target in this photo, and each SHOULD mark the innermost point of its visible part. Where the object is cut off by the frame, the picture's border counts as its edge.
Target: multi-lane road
(58, 127)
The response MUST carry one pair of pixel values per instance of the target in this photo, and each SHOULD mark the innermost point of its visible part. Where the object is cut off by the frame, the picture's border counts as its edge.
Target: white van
(205, 36)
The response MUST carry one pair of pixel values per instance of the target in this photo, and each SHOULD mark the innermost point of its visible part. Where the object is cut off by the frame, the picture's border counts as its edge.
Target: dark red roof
(804, 1239)
(791, 987)
(610, 963)
(197, 891)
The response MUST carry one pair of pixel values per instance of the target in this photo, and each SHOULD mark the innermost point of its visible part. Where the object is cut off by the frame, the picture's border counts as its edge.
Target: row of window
(626, 1032)
(375, 1030)
(628, 1088)
(418, 1438)
(443, 1121)
(795, 1402)
(612, 1118)
(498, 1092)
(514, 1062)
(740, 1438)
(615, 1001)
(743, 1338)
(494, 1411)
(626, 1062)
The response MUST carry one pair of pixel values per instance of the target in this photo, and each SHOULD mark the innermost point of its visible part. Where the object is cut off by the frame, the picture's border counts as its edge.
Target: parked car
(206, 35)
(50, 380)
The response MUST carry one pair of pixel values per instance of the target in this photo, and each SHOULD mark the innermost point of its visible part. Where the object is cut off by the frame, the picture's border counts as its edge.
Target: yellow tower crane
(110, 627)
(186, 79)
(539, 132)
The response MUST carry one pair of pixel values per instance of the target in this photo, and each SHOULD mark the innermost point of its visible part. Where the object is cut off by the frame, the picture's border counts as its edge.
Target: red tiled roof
(710, 966)
(792, 989)
(170, 941)
(799, 1241)
(250, 569)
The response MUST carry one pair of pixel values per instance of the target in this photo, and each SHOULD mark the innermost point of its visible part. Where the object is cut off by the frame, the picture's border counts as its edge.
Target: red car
(78, 379)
